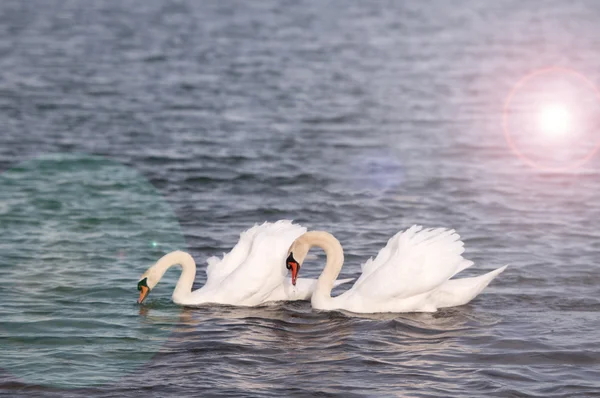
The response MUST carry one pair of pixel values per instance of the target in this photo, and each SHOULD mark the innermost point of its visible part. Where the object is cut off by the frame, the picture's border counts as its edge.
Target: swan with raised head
(410, 274)
(252, 273)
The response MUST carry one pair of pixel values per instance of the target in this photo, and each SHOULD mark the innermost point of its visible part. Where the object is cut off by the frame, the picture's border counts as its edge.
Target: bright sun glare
(555, 119)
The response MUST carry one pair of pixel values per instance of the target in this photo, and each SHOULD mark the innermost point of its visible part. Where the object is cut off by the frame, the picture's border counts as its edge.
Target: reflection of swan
(252, 273)
(410, 274)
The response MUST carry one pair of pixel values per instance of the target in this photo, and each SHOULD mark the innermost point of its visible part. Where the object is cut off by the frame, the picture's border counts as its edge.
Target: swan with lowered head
(252, 273)
(410, 274)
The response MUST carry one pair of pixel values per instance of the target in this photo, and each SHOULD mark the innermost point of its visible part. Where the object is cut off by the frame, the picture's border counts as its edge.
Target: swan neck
(335, 260)
(188, 272)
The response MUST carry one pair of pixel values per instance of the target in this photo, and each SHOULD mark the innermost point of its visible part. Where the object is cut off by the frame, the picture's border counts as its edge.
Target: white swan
(410, 274)
(252, 273)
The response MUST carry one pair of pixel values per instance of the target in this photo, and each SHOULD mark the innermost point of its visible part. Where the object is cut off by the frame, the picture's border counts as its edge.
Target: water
(360, 118)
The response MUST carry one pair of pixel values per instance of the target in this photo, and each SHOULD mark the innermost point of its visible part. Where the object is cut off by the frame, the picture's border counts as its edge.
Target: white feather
(410, 274)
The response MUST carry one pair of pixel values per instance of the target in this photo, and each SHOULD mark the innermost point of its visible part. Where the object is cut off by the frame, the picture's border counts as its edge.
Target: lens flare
(555, 120)
(550, 119)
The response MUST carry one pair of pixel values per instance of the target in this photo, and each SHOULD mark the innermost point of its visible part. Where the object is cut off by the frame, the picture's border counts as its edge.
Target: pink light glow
(555, 120)
(551, 119)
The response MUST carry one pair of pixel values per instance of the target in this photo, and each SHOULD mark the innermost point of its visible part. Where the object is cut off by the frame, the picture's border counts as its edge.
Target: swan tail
(461, 291)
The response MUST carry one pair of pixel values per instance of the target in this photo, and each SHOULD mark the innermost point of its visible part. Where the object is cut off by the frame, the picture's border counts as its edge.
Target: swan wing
(413, 262)
(219, 268)
(263, 269)
(382, 258)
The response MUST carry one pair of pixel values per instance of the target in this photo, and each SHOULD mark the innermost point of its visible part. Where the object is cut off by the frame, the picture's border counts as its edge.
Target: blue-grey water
(132, 128)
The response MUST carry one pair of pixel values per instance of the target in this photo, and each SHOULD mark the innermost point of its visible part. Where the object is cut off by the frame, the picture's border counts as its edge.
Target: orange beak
(294, 268)
(143, 293)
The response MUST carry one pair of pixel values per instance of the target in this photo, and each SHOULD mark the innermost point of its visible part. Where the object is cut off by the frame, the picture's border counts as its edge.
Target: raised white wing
(382, 257)
(263, 269)
(413, 262)
(219, 268)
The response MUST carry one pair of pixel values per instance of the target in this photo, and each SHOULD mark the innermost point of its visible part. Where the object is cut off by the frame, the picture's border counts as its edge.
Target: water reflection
(267, 335)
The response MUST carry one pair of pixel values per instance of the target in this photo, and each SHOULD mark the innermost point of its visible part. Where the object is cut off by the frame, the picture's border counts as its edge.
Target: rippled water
(182, 123)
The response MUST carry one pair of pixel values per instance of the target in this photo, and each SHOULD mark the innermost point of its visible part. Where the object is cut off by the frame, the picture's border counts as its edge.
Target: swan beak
(292, 265)
(294, 269)
(143, 293)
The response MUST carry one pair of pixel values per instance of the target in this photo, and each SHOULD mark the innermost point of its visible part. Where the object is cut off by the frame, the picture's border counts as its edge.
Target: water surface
(360, 118)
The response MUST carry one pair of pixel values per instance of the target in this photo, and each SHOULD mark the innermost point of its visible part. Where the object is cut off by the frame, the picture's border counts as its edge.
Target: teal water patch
(77, 232)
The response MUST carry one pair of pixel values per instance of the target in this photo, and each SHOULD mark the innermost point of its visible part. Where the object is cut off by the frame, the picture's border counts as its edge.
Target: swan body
(251, 274)
(410, 274)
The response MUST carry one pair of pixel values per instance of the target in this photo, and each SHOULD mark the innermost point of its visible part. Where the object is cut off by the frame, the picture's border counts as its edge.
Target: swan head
(143, 288)
(296, 256)
(147, 282)
(292, 265)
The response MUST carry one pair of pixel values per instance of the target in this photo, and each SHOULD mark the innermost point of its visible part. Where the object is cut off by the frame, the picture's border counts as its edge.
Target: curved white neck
(188, 272)
(335, 260)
